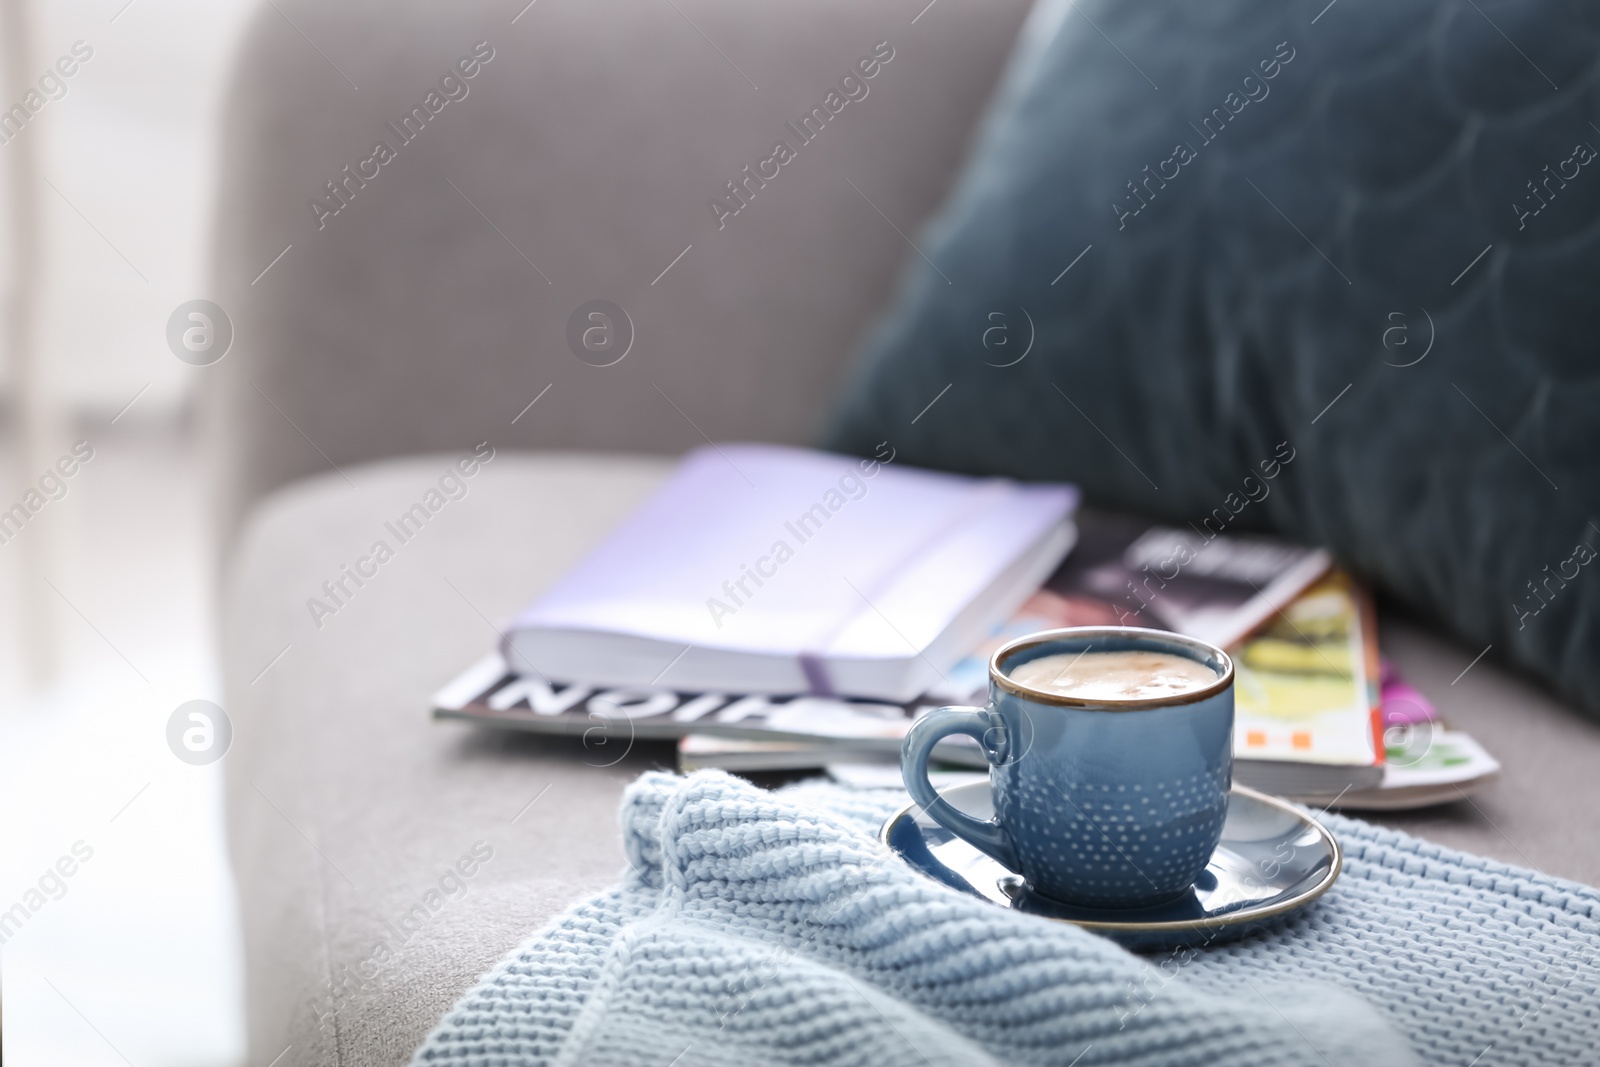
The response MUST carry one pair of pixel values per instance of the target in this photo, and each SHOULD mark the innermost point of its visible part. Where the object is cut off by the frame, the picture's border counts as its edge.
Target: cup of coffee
(1111, 760)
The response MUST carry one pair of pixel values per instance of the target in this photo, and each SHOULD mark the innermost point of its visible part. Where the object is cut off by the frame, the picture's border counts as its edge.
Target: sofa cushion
(1237, 266)
(347, 805)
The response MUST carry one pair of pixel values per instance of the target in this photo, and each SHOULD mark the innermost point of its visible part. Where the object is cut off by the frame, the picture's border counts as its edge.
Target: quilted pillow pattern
(1355, 246)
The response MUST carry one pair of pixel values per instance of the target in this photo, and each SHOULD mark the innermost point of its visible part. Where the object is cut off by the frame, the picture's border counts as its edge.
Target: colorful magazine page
(1403, 703)
(1427, 764)
(1306, 685)
(1217, 587)
(1126, 572)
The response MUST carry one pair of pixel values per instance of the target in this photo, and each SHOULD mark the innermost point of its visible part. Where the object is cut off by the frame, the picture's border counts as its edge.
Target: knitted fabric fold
(773, 928)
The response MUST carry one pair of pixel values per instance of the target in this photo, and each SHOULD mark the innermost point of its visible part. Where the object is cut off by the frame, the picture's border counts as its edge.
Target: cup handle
(979, 723)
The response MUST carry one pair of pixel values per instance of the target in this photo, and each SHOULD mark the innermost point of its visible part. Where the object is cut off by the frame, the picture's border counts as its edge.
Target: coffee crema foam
(1113, 675)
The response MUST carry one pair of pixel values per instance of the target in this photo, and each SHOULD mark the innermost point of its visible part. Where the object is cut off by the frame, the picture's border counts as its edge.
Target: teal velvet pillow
(1325, 270)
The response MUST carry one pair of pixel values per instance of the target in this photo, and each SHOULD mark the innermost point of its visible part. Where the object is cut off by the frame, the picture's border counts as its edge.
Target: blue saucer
(1273, 860)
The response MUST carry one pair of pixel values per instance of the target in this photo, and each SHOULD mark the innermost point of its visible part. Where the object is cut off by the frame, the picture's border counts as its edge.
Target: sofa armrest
(425, 303)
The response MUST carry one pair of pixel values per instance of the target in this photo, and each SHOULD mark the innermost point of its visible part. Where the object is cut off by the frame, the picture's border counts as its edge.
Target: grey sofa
(384, 861)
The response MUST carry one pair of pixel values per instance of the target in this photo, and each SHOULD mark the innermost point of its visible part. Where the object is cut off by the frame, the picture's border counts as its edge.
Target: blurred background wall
(109, 192)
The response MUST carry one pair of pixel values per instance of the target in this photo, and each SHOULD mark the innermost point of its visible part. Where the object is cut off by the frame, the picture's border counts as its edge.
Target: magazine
(490, 693)
(1217, 587)
(1425, 761)
(1433, 767)
(1307, 716)
(1126, 572)
(1308, 682)
(1083, 591)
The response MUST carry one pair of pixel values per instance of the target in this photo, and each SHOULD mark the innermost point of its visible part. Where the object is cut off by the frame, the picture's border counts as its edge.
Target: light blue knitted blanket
(772, 928)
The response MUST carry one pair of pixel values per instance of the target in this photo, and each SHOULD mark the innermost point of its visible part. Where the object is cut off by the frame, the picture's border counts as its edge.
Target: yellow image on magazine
(1306, 683)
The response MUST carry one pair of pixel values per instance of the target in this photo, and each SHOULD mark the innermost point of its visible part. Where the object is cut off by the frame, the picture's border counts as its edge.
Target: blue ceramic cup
(1113, 803)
